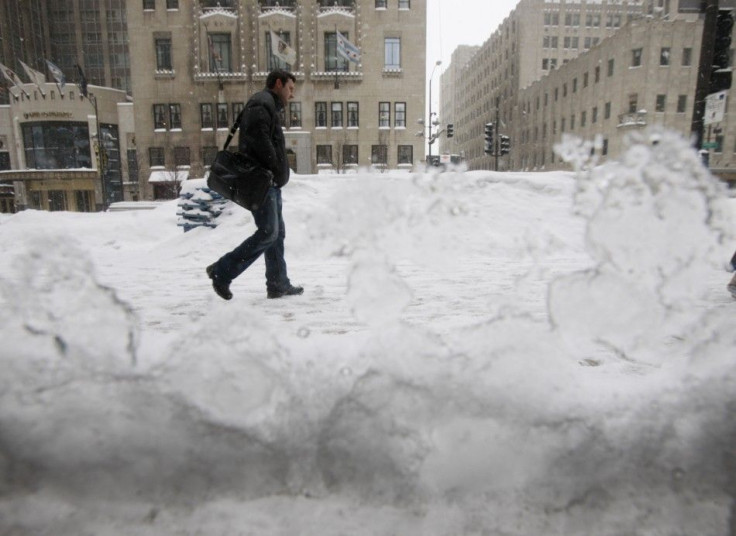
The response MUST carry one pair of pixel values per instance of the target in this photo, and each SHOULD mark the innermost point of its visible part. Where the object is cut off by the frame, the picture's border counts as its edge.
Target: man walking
(262, 141)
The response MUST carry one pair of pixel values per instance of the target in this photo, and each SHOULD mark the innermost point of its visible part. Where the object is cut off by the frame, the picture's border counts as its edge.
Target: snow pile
(655, 230)
(439, 391)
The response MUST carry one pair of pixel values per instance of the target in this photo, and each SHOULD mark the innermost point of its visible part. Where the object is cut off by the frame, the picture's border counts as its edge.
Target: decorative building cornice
(209, 12)
(336, 10)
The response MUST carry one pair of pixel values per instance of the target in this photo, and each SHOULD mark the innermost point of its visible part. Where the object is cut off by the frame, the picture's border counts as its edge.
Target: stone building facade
(643, 75)
(198, 61)
(62, 151)
(537, 38)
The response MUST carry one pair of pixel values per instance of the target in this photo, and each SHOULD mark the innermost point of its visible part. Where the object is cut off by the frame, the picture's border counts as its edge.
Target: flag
(282, 50)
(82, 81)
(11, 77)
(36, 77)
(347, 50)
(57, 74)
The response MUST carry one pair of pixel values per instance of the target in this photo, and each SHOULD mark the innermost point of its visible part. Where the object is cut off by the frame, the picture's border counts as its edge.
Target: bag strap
(233, 129)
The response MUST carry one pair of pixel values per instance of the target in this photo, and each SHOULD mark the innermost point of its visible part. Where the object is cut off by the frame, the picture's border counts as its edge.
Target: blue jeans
(268, 239)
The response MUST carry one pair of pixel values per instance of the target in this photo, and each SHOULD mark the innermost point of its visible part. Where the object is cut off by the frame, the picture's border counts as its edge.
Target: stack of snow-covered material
(198, 205)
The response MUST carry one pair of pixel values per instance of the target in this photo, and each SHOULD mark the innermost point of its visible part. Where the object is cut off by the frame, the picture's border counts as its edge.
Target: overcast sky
(459, 22)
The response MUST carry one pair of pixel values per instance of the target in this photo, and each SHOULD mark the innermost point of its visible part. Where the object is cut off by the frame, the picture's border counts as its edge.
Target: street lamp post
(100, 151)
(429, 123)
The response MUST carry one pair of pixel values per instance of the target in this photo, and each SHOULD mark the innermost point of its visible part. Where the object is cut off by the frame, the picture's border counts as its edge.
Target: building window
(222, 119)
(333, 61)
(84, 200)
(237, 108)
(719, 144)
(381, 4)
(607, 111)
(610, 67)
(274, 62)
(585, 79)
(597, 77)
(159, 116)
(156, 157)
(149, 4)
(636, 57)
(404, 4)
(205, 113)
(336, 117)
(163, 54)
(320, 114)
(132, 165)
(660, 103)
(392, 53)
(353, 114)
(172, 4)
(594, 114)
(379, 154)
(400, 114)
(664, 56)
(324, 154)
(574, 85)
(583, 118)
(384, 114)
(633, 103)
(182, 156)
(687, 57)
(295, 114)
(350, 154)
(209, 152)
(220, 57)
(57, 200)
(604, 149)
(56, 145)
(406, 154)
(551, 19)
(175, 115)
(549, 41)
(681, 104)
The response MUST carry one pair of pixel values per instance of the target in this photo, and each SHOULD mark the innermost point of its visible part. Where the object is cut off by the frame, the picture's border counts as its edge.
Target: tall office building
(89, 33)
(24, 36)
(535, 39)
(198, 61)
(528, 77)
(94, 35)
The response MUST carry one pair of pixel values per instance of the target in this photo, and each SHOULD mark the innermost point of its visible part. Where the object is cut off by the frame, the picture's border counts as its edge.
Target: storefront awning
(169, 175)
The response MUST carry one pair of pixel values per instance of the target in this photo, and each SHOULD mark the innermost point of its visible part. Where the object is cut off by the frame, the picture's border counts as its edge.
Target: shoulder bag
(236, 177)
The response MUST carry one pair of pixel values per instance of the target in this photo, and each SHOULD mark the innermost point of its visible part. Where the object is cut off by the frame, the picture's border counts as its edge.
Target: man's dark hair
(279, 74)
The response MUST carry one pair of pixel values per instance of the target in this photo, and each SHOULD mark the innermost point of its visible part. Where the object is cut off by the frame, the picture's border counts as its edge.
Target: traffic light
(720, 75)
(488, 130)
(450, 130)
(505, 143)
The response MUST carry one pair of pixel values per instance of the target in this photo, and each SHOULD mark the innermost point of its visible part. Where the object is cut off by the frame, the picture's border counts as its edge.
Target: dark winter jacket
(261, 136)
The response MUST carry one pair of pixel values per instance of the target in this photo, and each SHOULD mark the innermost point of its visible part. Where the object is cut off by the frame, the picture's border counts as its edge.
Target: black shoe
(222, 289)
(288, 291)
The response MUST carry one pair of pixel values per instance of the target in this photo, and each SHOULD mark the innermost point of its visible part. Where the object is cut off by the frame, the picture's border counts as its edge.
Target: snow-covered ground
(475, 353)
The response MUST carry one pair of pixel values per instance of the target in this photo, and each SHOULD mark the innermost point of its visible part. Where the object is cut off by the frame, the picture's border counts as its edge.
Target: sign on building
(715, 107)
